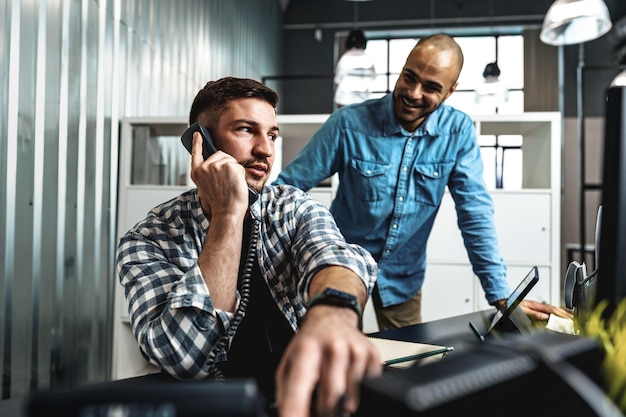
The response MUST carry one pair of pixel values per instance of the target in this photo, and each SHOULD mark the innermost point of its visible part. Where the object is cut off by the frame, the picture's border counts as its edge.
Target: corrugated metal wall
(70, 70)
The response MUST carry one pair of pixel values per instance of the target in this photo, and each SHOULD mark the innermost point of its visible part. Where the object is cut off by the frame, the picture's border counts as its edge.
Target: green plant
(611, 334)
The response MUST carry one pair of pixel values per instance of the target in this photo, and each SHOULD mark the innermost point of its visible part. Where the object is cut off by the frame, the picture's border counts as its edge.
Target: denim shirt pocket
(369, 180)
(430, 181)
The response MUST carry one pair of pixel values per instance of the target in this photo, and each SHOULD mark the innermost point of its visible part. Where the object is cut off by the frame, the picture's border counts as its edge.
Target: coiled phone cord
(243, 301)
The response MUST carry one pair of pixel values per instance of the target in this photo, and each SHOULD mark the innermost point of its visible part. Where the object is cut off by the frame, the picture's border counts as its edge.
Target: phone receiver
(208, 148)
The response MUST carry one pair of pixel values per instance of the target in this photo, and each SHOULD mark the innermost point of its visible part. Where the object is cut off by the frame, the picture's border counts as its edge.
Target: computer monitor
(495, 378)
(611, 246)
(151, 395)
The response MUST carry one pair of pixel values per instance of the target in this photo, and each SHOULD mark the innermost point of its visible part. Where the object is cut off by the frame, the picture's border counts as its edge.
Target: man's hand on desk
(330, 355)
(541, 311)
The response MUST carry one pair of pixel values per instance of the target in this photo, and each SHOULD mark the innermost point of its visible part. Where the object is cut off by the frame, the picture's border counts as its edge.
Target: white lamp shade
(575, 21)
(620, 80)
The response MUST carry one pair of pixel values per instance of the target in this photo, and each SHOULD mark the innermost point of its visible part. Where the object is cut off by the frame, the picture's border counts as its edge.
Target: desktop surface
(452, 331)
(470, 359)
(538, 372)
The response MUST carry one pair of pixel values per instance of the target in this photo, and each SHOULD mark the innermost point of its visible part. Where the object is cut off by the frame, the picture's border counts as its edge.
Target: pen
(418, 356)
(476, 332)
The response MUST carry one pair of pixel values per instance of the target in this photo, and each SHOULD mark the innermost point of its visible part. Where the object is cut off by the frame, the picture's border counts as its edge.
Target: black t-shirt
(262, 335)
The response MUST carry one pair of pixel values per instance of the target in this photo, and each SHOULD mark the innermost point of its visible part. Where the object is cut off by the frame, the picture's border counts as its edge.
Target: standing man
(395, 156)
(219, 286)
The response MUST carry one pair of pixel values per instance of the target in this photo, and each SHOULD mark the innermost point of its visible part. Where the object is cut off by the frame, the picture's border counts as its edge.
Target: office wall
(70, 69)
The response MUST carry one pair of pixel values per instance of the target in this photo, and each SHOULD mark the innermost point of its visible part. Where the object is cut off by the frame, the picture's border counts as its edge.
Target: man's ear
(451, 90)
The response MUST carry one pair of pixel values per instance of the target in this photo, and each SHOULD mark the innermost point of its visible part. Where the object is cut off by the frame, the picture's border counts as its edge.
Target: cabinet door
(445, 242)
(448, 291)
(523, 223)
(322, 194)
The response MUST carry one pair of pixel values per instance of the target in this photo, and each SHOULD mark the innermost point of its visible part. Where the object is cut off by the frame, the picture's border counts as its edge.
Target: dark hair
(356, 39)
(214, 97)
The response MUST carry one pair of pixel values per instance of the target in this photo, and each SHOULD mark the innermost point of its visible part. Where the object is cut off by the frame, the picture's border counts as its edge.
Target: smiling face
(247, 130)
(428, 77)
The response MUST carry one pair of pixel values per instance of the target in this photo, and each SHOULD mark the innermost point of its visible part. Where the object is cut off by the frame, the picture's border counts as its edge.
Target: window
(502, 155)
(508, 50)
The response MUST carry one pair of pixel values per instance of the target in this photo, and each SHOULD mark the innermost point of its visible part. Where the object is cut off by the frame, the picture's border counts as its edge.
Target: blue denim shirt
(391, 183)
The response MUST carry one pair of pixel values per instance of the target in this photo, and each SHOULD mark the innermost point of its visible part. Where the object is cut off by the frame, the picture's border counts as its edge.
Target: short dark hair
(214, 97)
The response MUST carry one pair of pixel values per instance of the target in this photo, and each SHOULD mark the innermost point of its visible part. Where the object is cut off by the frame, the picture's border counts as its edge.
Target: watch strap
(334, 297)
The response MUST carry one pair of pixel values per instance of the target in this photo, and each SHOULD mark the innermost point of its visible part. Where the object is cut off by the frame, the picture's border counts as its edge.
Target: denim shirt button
(435, 173)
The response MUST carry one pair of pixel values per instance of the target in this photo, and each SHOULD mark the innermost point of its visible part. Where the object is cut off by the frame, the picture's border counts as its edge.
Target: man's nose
(264, 145)
(416, 92)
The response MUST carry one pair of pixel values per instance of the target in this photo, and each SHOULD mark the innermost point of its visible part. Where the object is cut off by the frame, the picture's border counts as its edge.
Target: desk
(541, 373)
(452, 331)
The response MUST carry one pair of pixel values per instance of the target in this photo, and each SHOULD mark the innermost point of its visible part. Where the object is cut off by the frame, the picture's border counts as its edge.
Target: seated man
(220, 288)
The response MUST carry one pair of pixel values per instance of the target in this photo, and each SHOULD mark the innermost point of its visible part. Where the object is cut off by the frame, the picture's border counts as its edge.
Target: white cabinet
(296, 130)
(153, 168)
(527, 219)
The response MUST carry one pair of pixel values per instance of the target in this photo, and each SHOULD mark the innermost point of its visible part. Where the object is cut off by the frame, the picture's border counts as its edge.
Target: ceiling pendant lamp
(619, 80)
(575, 21)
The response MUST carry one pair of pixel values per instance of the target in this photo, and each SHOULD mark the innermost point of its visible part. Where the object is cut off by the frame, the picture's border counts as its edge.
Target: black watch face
(331, 292)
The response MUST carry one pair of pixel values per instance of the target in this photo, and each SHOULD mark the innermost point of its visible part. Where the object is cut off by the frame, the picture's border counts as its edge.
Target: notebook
(401, 354)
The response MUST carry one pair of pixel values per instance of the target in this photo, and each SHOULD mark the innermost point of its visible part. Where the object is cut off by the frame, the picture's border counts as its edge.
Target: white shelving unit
(527, 220)
(135, 199)
(296, 130)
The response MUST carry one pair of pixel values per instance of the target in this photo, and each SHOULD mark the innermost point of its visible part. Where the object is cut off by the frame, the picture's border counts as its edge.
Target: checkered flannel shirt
(171, 311)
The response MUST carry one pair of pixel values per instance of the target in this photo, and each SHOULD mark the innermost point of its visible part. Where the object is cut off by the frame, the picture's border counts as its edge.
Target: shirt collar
(430, 127)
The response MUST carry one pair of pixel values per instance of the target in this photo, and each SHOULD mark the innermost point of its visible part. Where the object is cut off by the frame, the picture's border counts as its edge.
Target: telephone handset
(207, 149)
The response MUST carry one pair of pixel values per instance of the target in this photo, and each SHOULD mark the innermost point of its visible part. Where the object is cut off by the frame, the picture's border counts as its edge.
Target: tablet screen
(516, 297)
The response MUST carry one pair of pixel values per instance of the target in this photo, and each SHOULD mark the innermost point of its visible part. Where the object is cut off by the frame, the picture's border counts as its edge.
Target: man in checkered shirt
(183, 270)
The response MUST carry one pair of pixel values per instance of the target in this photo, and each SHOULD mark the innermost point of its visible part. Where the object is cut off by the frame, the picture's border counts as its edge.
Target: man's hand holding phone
(207, 149)
(220, 180)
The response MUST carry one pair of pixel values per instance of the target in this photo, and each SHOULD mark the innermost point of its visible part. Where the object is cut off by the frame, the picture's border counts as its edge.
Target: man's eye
(432, 88)
(409, 77)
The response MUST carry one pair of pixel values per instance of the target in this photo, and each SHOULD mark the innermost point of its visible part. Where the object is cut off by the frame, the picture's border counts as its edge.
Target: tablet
(515, 298)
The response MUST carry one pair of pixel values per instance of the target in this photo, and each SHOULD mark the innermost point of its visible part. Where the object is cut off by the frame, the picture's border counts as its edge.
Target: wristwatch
(333, 297)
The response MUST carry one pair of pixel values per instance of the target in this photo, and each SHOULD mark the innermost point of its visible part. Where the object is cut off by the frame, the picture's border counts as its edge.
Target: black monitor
(540, 374)
(150, 395)
(611, 245)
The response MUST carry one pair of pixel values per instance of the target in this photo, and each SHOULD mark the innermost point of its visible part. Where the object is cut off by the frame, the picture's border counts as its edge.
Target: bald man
(395, 156)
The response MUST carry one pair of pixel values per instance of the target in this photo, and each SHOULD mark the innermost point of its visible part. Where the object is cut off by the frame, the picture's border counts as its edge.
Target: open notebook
(401, 354)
